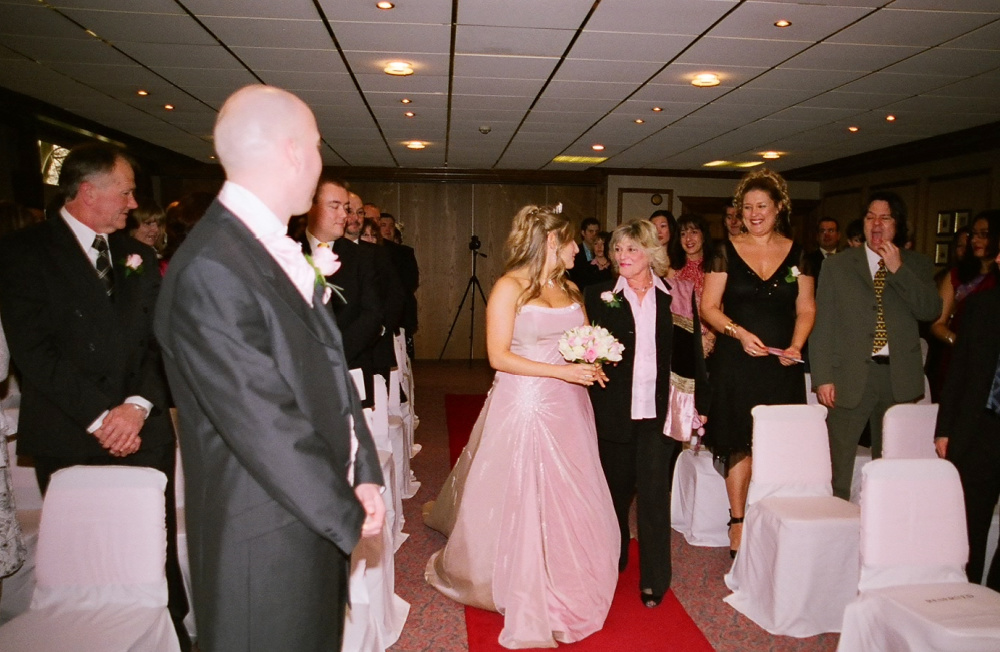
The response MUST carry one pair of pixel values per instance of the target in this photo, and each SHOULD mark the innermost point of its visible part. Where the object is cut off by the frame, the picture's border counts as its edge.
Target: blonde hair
(527, 249)
(776, 187)
(642, 233)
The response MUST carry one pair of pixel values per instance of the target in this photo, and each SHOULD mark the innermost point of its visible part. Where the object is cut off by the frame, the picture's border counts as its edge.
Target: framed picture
(941, 253)
(961, 219)
(946, 222)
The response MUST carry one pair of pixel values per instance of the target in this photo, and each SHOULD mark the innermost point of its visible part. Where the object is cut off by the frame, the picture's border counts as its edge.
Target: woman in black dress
(758, 295)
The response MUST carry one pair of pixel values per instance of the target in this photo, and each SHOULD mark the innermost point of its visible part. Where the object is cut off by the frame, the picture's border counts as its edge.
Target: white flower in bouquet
(590, 344)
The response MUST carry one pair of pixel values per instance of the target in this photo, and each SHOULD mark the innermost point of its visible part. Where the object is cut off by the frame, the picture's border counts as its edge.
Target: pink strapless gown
(532, 530)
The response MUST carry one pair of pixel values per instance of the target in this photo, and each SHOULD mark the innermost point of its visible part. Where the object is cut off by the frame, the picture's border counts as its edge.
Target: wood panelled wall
(438, 220)
(969, 183)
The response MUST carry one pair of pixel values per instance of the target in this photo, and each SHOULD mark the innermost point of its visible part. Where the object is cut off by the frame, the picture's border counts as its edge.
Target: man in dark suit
(282, 476)
(583, 273)
(357, 305)
(864, 350)
(968, 425)
(77, 297)
(828, 241)
(404, 259)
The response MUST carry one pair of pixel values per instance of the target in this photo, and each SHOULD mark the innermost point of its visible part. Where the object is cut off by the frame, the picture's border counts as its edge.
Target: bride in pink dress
(531, 526)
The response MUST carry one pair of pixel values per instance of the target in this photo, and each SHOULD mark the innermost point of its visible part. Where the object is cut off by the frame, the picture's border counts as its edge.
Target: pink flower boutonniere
(611, 299)
(325, 262)
(133, 265)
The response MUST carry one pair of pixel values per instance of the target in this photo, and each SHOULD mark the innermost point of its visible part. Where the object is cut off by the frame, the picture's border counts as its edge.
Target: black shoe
(650, 599)
(622, 564)
(734, 521)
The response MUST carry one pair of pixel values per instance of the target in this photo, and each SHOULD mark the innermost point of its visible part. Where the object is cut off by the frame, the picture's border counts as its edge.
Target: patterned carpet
(437, 624)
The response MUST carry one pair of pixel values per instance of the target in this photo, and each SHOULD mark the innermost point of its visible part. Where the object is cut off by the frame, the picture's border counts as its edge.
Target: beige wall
(968, 183)
(438, 220)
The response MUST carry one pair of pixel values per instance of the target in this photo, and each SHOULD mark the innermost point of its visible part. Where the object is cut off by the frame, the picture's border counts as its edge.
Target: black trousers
(979, 469)
(641, 467)
(161, 458)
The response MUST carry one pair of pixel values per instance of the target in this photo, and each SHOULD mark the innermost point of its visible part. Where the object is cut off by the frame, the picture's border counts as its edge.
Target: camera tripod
(474, 245)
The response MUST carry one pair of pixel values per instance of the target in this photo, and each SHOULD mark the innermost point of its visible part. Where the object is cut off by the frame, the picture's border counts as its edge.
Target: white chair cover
(385, 441)
(19, 586)
(811, 397)
(861, 458)
(101, 583)
(401, 436)
(376, 615)
(914, 595)
(797, 567)
(698, 502)
(908, 431)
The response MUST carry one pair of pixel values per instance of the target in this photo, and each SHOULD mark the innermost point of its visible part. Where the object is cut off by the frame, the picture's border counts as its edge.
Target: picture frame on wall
(961, 219)
(941, 253)
(946, 222)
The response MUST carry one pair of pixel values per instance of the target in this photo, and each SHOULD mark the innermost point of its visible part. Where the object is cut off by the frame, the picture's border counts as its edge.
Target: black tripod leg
(458, 312)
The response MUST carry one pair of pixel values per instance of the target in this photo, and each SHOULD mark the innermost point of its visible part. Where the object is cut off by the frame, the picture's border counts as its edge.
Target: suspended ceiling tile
(982, 86)
(658, 16)
(470, 39)
(295, 81)
(749, 52)
(983, 6)
(588, 70)
(480, 65)
(269, 32)
(180, 56)
(118, 26)
(921, 28)
(424, 11)
(616, 46)
(367, 37)
(484, 86)
(584, 90)
(838, 100)
(88, 50)
(295, 9)
(491, 102)
(417, 100)
(644, 109)
(820, 115)
(984, 38)
(208, 77)
(147, 6)
(595, 106)
(374, 63)
(886, 82)
(809, 22)
(843, 56)
(794, 79)
(765, 97)
(291, 60)
(486, 115)
(729, 76)
(735, 113)
(382, 83)
(35, 19)
(944, 61)
(679, 93)
(560, 14)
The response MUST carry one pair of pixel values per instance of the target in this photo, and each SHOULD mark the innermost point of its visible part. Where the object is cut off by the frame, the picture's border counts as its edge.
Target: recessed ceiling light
(890, 118)
(416, 144)
(657, 109)
(639, 121)
(597, 148)
(168, 107)
(406, 100)
(409, 114)
(580, 159)
(142, 93)
(384, 5)
(705, 80)
(398, 68)
(771, 155)
(715, 164)
(92, 33)
(853, 130)
(783, 23)
(748, 164)
(212, 157)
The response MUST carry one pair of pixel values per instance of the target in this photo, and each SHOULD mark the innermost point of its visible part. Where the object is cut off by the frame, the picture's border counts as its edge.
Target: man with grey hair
(282, 475)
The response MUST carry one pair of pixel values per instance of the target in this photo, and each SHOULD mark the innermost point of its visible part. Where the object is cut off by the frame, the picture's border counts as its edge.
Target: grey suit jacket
(840, 347)
(264, 400)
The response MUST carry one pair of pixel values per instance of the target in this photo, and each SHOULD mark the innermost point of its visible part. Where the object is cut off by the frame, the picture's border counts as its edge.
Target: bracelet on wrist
(731, 328)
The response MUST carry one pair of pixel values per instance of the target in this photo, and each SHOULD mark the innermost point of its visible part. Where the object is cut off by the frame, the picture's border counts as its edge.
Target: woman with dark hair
(687, 251)
(371, 231)
(759, 293)
(970, 276)
(855, 233)
(530, 523)
(666, 233)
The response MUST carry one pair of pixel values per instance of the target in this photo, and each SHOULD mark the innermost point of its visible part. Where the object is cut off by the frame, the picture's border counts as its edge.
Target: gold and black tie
(880, 335)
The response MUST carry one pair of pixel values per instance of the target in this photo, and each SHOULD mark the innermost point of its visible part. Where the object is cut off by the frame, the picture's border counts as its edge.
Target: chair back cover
(908, 431)
(912, 524)
(102, 539)
(791, 452)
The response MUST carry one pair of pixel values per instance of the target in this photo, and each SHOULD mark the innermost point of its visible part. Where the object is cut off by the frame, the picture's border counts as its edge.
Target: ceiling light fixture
(715, 164)
(657, 109)
(580, 159)
(142, 93)
(416, 144)
(890, 118)
(399, 68)
(409, 114)
(639, 121)
(783, 23)
(168, 107)
(597, 147)
(212, 157)
(748, 164)
(406, 100)
(771, 155)
(384, 5)
(705, 80)
(853, 129)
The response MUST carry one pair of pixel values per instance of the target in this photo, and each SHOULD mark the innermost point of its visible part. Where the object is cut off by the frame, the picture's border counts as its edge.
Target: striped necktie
(881, 339)
(103, 264)
(993, 402)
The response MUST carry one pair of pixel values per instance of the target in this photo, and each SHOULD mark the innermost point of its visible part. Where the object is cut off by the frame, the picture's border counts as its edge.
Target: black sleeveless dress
(766, 308)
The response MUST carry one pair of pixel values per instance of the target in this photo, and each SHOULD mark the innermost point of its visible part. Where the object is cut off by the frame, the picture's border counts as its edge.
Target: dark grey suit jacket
(79, 352)
(265, 403)
(840, 347)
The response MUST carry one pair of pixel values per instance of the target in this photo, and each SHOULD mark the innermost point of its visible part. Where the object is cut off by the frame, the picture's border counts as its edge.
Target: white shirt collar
(254, 213)
(83, 233)
(873, 259)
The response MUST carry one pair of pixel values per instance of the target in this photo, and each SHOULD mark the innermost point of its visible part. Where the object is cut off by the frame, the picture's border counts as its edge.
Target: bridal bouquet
(590, 344)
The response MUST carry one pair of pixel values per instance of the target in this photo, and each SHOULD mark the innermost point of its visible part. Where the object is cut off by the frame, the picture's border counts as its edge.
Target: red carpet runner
(630, 625)
(461, 412)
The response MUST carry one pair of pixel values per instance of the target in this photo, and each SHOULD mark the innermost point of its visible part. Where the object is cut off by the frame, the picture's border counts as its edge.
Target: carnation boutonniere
(611, 299)
(324, 262)
(133, 265)
(793, 274)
